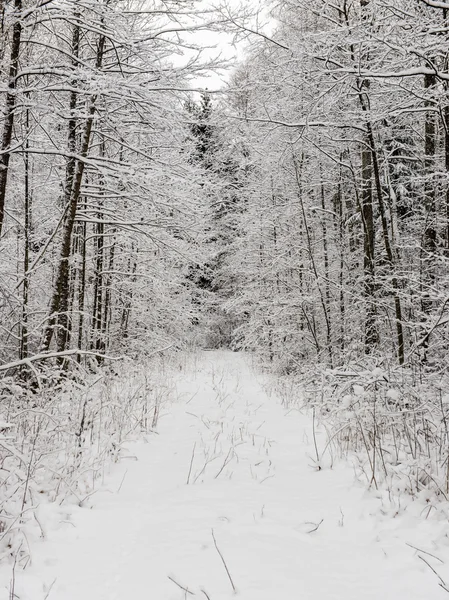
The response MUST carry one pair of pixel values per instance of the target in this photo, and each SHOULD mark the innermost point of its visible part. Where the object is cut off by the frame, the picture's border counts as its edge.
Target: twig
(12, 586)
(314, 440)
(208, 461)
(330, 438)
(226, 462)
(190, 400)
(425, 552)
(49, 590)
(192, 415)
(265, 478)
(224, 562)
(123, 479)
(43, 536)
(316, 526)
(186, 590)
(442, 582)
(191, 463)
(206, 594)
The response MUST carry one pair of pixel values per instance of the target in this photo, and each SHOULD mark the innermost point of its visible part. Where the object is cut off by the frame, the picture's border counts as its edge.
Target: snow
(282, 528)
(393, 395)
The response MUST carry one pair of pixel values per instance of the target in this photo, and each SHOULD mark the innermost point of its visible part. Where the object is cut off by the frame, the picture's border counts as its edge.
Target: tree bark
(364, 101)
(369, 275)
(58, 314)
(10, 109)
(26, 250)
(430, 232)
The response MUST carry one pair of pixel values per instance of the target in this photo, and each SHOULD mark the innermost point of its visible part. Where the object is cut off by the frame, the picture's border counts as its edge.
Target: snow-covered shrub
(395, 427)
(57, 442)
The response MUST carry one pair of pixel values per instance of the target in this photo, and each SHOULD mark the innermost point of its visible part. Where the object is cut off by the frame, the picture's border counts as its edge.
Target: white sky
(223, 45)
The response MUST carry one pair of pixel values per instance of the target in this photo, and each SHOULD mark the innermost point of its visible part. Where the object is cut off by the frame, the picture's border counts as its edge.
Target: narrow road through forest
(226, 496)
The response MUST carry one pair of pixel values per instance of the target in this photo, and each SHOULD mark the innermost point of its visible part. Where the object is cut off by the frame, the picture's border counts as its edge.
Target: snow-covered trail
(252, 486)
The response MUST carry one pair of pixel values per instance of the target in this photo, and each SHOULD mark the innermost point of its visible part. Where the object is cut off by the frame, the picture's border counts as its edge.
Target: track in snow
(251, 483)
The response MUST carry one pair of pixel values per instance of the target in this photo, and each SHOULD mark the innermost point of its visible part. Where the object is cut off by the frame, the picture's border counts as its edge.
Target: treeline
(99, 199)
(323, 174)
(340, 121)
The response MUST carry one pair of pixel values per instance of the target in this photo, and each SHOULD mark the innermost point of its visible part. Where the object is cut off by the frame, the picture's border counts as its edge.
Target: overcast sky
(222, 45)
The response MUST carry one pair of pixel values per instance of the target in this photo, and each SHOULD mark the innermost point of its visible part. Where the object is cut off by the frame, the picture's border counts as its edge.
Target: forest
(297, 213)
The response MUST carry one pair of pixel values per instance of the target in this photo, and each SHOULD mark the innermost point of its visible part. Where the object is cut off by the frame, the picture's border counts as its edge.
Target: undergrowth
(391, 424)
(57, 442)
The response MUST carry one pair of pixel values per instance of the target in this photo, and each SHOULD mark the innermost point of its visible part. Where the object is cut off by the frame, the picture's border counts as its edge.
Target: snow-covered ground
(226, 500)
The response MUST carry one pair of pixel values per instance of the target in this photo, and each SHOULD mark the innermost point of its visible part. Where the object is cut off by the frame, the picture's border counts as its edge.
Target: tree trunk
(58, 313)
(446, 164)
(108, 296)
(327, 292)
(126, 312)
(369, 275)
(10, 107)
(81, 287)
(339, 235)
(297, 167)
(26, 251)
(97, 312)
(364, 101)
(430, 232)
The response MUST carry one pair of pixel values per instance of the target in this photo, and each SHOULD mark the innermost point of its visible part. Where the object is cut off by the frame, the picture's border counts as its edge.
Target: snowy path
(252, 484)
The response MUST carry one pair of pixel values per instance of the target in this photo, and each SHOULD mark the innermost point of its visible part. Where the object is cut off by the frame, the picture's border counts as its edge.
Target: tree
(350, 94)
(96, 106)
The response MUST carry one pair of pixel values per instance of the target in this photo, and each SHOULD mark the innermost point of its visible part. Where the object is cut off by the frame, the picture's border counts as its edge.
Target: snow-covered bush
(395, 427)
(56, 442)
